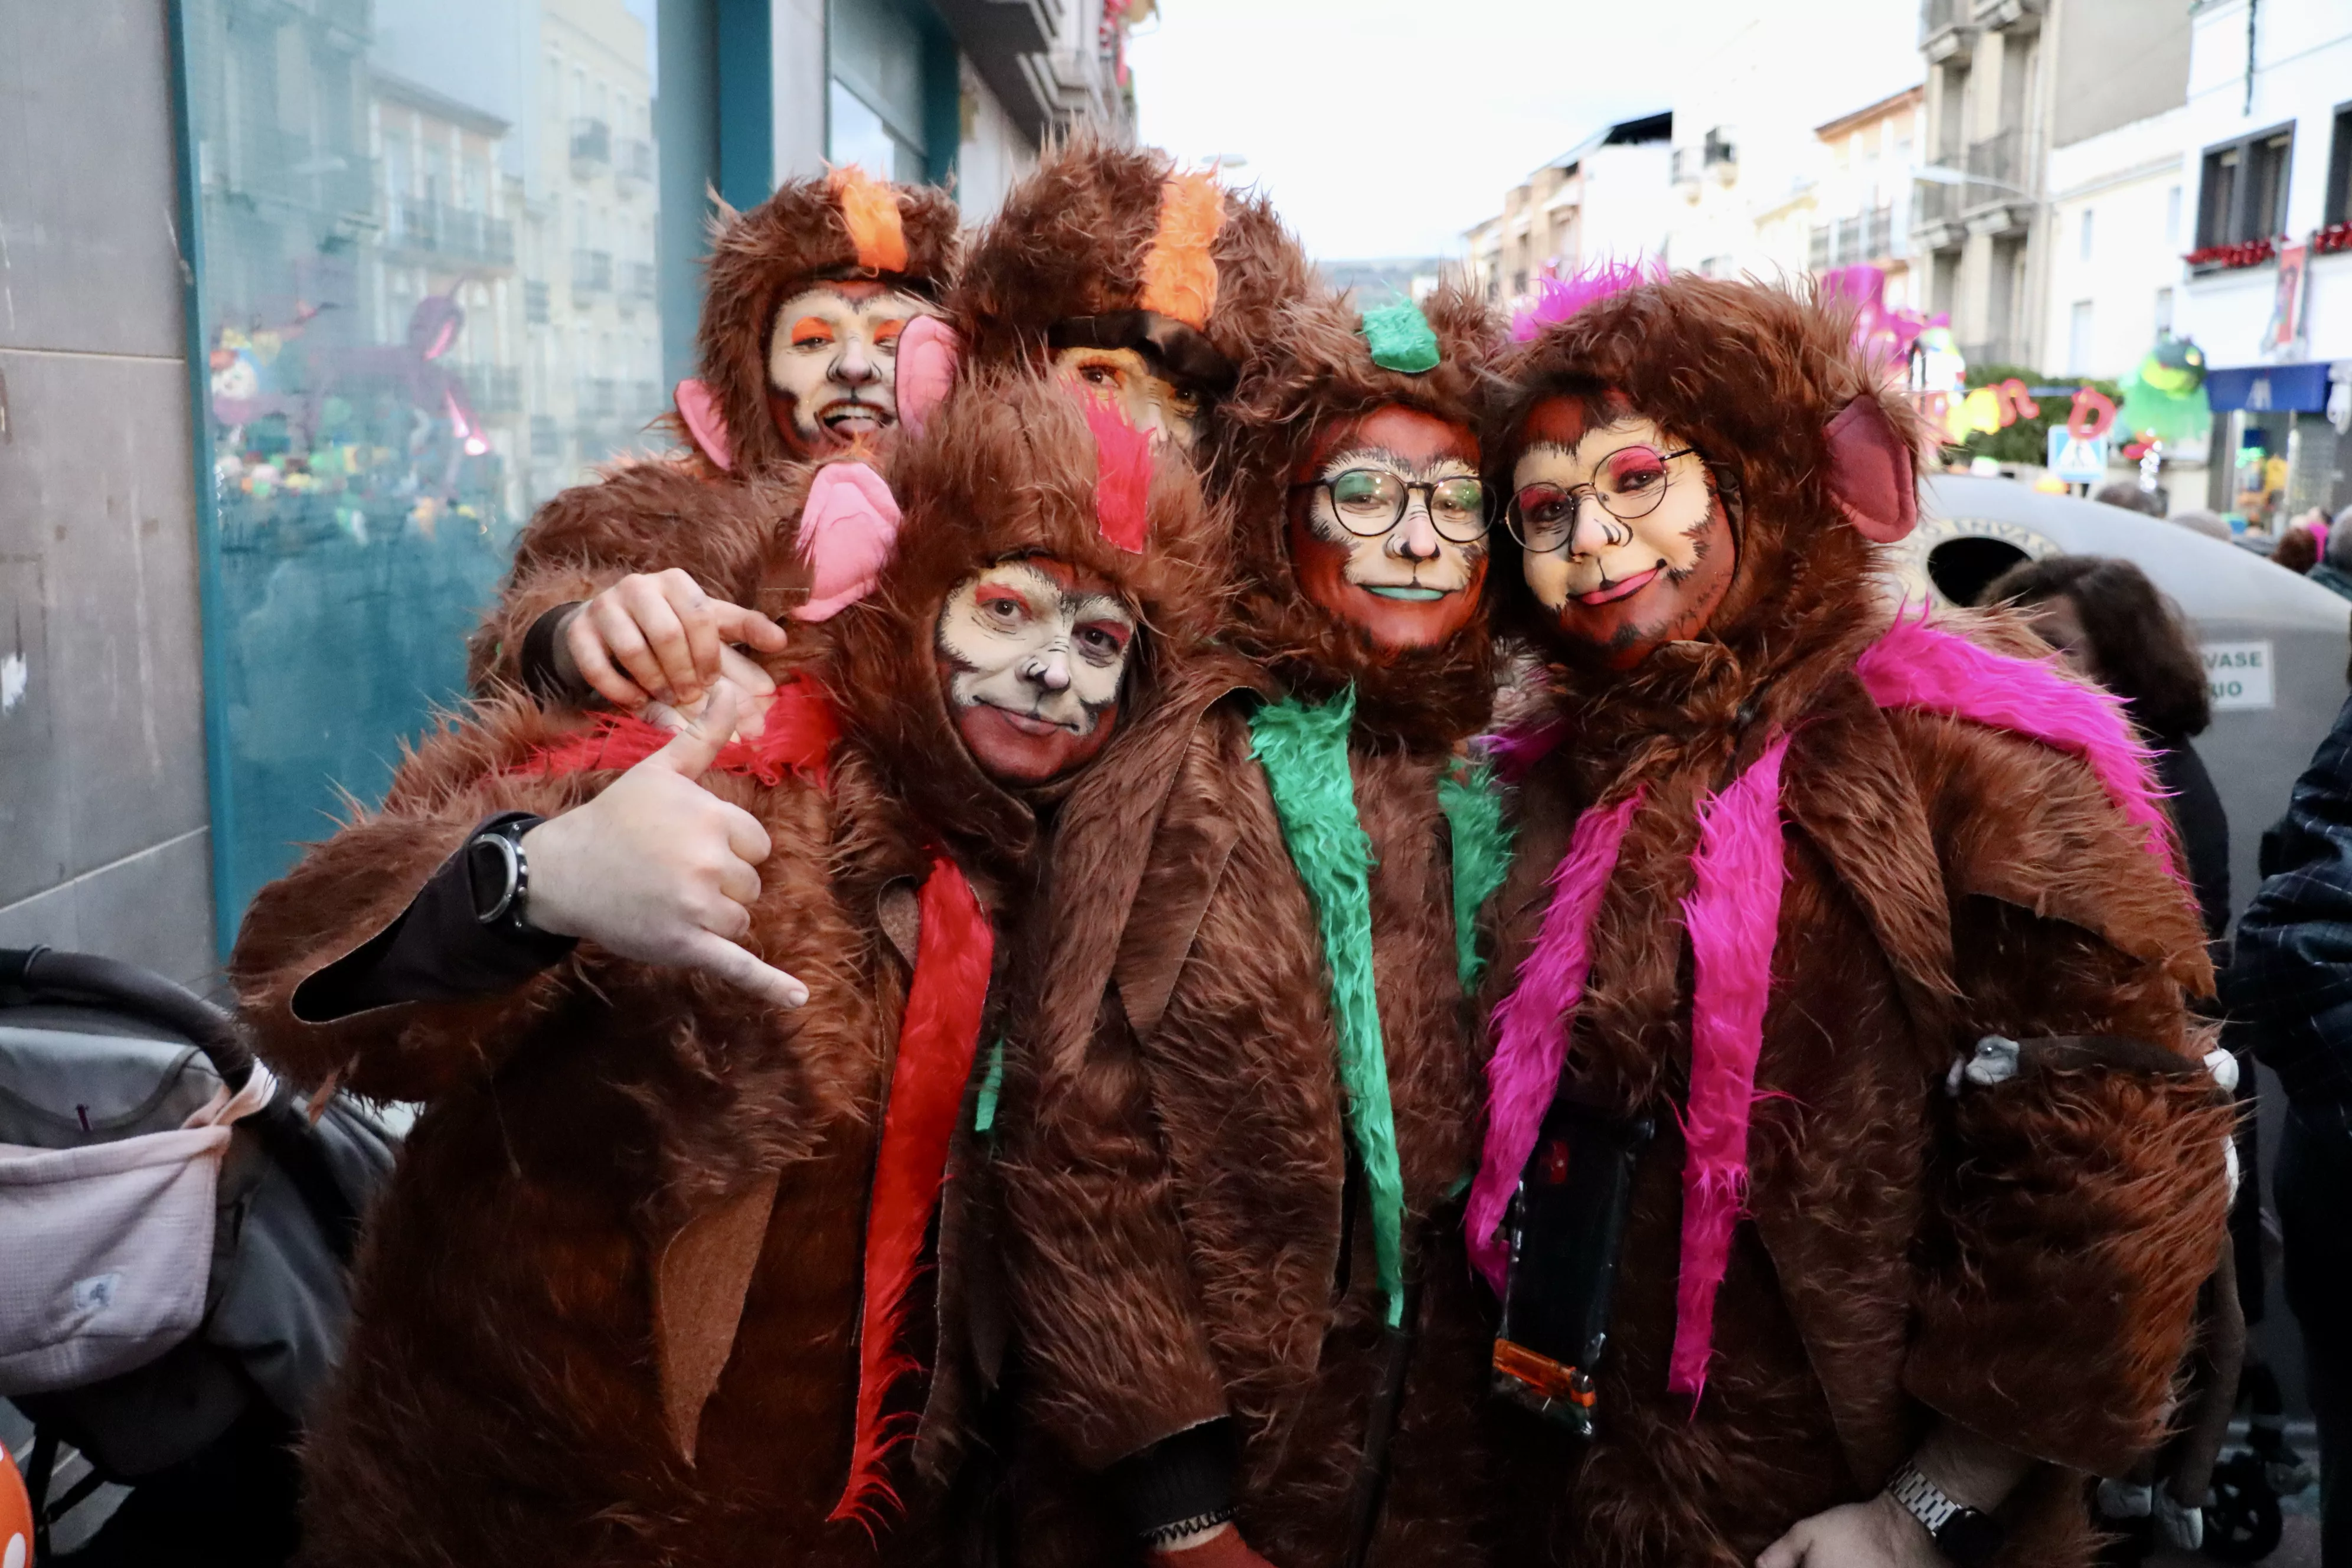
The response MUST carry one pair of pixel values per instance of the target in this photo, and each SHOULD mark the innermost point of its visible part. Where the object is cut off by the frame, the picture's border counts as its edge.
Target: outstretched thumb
(696, 745)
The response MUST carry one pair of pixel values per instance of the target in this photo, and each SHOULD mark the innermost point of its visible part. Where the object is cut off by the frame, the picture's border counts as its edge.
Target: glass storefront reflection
(429, 299)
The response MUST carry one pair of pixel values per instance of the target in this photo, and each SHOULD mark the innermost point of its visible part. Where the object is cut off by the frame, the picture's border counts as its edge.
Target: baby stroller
(178, 1230)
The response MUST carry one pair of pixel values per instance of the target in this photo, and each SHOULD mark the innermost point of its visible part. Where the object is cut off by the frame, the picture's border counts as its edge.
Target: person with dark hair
(2297, 550)
(2108, 622)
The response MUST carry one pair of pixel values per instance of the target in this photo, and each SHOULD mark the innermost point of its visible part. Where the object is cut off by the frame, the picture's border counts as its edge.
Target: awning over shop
(2266, 387)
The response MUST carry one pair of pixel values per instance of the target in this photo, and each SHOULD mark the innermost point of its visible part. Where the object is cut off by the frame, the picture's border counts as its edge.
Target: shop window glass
(398, 329)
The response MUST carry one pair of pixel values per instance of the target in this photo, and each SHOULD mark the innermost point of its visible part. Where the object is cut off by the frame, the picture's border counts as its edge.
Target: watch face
(1970, 1538)
(489, 874)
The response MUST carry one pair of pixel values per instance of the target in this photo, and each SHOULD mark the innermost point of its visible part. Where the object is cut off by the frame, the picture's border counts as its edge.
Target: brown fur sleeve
(649, 516)
(2079, 1206)
(353, 886)
(1100, 1278)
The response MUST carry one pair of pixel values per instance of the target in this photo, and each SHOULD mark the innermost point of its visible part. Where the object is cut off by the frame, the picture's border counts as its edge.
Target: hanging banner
(2286, 305)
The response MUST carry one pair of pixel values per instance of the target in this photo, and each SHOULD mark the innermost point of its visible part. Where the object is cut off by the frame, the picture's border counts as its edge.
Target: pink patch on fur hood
(849, 529)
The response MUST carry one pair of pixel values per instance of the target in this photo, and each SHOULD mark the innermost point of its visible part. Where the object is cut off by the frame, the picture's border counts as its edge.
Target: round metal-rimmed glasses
(1628, 484)
(1371, 502)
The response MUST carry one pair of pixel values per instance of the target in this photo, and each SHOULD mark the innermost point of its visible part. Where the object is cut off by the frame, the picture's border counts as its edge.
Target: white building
(2267, 141)
(1863, 200)
(2117, 227)
(1605, 199)
(1747, 155)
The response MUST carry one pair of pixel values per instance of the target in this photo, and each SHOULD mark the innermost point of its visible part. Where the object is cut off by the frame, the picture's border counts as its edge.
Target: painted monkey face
(1033, 651)
(1388, 527)
(1130, 383)
(1627, 544)
(833, 356)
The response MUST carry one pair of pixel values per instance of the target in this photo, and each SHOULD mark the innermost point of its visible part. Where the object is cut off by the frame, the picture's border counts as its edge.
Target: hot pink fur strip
(1734, 914)
(1917, 665)
(1531, 1026)
(1557, 298)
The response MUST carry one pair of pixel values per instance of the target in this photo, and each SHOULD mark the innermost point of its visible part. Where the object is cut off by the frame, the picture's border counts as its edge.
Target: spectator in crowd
(2297, 550)
(2334, 568)
(2107, 620)
(2127, 494)
(2199, 520)
(2291, 982)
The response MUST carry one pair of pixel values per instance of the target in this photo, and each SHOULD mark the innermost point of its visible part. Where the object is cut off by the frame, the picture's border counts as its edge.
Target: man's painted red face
(1626, 543)
(1033, 651)
(1388, 527)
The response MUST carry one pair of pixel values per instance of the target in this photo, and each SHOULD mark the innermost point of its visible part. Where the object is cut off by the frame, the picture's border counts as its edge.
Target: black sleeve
(2292, 970)
(1184, 1480)
(435, 951)
(2204, 829)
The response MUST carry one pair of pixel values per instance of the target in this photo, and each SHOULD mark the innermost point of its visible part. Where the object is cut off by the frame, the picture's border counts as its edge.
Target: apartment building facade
(1862, 206)
(2009, 80)
(1605, 197)
(2266, 145)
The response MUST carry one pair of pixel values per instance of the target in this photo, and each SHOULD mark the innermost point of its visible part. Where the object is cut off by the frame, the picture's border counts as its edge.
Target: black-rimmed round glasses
(1628, 483)
(1371, 502)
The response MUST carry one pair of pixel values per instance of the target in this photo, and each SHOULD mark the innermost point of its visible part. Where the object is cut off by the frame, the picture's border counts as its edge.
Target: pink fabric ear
(928, 351)
(1871, 476)
(848, 531)
(699, 406)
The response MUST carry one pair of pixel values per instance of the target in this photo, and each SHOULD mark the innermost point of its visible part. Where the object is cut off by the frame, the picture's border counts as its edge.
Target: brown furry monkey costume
(609, 1309)
(685, 511)
(1881, 1222)
(1220, 1264)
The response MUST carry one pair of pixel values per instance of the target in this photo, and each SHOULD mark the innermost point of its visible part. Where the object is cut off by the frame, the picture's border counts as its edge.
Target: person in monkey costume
(1842, 971)
(627, 589)
(1243, 1094)
(1150, 286)
(682, 1253)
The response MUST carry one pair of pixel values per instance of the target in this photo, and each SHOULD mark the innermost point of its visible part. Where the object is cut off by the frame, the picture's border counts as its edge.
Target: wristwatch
(1966, 1536)
(498, 873)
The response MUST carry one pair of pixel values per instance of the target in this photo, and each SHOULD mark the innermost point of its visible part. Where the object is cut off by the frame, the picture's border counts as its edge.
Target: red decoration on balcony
(2229, 257)
(2335, 236)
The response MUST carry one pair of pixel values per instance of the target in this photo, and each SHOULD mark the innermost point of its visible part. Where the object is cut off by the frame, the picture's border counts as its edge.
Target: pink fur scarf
(1733, 915)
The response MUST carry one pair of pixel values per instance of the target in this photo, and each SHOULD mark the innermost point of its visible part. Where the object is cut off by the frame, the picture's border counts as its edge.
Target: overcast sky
(1387, 127)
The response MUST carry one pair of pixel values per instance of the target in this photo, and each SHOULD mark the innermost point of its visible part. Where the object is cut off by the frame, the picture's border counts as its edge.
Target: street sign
(2238, 675)
(2077, 460)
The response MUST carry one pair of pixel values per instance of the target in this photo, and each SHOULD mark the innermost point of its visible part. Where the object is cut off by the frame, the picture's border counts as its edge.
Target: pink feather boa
(1531, 1026)
(1917, 665)
(1733, 913)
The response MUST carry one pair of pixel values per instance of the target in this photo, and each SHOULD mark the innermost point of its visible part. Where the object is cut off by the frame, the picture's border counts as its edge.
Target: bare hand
(659, 870)
(657, 636)
(759, 689)
(1879, 1533)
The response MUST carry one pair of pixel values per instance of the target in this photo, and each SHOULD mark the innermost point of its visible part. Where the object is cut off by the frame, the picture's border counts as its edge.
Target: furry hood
(799, 236)
(1006, 468)
(1075, 240)
(1312, 371)
(1755, 377)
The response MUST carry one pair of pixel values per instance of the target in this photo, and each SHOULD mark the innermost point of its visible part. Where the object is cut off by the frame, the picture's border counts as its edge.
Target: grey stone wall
(103, 840)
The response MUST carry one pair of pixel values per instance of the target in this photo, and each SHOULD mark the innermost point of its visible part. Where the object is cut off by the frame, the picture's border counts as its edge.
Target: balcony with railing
(458, 234)
(1867, 236)
(592, 272)
(592, 143)
(636, 283)
(535, 311)
(599, 397)
(546, 436)
(633, 160)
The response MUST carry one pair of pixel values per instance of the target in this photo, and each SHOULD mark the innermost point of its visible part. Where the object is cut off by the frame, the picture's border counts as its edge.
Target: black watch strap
(498, 873)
